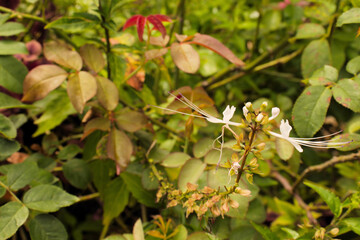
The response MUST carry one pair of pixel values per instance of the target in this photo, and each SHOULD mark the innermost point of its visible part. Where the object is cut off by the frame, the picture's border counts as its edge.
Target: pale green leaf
(353, 66)
(348, 17)
(310, 110)
(63, 55)
(190, 173)
(329, 198)
(130, 120)
(48, 198)
(21, 174)
(315, 55)
(71, 24)
(12, 73)
(9, 47)
(9, 102)
(353, 224)
(326, 75)
(176, 159)
(47, 227)
(11, 28)
(119, 148)
(12, 216)
(107, 93)
(309, 30)
(347, 93)
(7, 127)
(202, 147)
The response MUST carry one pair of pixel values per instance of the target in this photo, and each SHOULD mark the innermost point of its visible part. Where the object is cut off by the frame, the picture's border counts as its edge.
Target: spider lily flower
(227, 114)
(285, 130)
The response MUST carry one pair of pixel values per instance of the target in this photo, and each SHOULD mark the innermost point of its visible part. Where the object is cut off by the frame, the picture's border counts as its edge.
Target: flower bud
(215, 211)
(248, 105)
(263, 106)
(172, 203)
(191, 187)
(248, 117)
(259, 117)
(334, 232)
(245, 111)
(265, 120)
(253, 162)
(261, 146)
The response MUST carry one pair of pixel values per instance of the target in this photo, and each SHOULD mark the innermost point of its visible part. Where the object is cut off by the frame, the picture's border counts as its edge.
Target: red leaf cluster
(140, 21)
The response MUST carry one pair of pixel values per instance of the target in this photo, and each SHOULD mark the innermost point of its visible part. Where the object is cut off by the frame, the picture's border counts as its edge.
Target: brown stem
(322, 166)
(285, 183)
(247, 151)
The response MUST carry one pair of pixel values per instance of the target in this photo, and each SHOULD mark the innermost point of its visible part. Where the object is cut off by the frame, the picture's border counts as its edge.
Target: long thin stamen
(171, 110)
(325, 136)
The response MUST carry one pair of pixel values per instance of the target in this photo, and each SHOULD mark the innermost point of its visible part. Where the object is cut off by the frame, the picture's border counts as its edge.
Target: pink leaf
(140, 23)
(162, 18)
(157, 24)
(131, 21)
(216, 46)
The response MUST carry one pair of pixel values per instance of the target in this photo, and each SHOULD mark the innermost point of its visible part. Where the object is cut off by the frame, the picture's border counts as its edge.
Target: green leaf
(8, 47)
(291, 233)
(57, 107)
(347, 93)
(71, 24)
(92, 57)
(265, 232)
(181, 234)
(48, 198)
(115, 237)
(326, 75)
(310, 110)
(12, 73)
(77, 172)
(309, 30)
(21, 174)
(198, 236)
(102, 171)
(12, 216)
(7, 127)
(348, 17)
(212, 157)
(176, 159)
(353, 66)
(284, 148)
(41, 81)
(8, 147)
(47, 227)
(11, 28)
(18, 119)
(63, 55)
(107, 93)
(353, 224)
(315, 55)
(329, 198)
(81, 88)
(9, 102)
(138, 231)
(118, 68)
(148, 180)
(133, 183)
(69, 152)
(4, 17)
(130, 120)
(202, 147)
(116, 198)
(94, 124)
(353, 140)
(119, 148)
(190, 173)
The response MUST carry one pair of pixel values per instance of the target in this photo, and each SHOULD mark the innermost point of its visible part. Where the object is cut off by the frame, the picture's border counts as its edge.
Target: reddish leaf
(185, 57)
(162, 18)
(157, 24)
(63, 55)
(159, 41)
(131, 21)
(140, 24)
(102, 124)
(216, 46)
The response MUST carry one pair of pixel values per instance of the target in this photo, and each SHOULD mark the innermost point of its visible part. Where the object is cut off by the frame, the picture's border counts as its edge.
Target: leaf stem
(104, 231)
(89, 197)
(247, 151)
(11, 192)
(22, 15)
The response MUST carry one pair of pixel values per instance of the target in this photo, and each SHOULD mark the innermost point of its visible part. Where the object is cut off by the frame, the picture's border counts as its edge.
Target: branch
(22, 15)
(281, 179)
(322, 166)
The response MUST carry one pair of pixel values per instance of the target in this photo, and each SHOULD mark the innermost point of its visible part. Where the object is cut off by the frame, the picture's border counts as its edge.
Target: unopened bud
(253, 162)
(259, 117)
(248, 105)
(261, 146)
(334, 232)
(265, 120)
(263, 106)
(172, 203)
(248, 117)
(215, 211)
(225, 207)
(320, 234)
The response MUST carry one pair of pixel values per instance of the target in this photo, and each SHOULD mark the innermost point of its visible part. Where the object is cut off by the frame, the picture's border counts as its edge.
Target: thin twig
(322, 166)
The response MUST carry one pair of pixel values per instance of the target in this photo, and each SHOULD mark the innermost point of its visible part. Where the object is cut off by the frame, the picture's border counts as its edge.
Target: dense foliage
(110, 126)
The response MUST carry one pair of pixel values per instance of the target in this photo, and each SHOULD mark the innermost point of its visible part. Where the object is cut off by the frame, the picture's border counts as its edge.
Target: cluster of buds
(203, 200)
(259, 115)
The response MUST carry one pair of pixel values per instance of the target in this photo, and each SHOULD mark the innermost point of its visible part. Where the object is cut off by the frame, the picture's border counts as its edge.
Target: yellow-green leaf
(107, 93)
(62, 55)
(119, 148)
(185, 57)
(92, 57)
(130, 120)
(81, 87)
(41, 81)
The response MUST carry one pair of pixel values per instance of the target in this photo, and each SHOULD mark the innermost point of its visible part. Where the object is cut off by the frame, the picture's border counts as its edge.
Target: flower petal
(274, 113)
(285, 128)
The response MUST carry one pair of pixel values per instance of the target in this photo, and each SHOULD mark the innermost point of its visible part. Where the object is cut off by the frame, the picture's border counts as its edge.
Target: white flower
(245, 111)
(274, 113)
(285, 130)
(227, 114)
